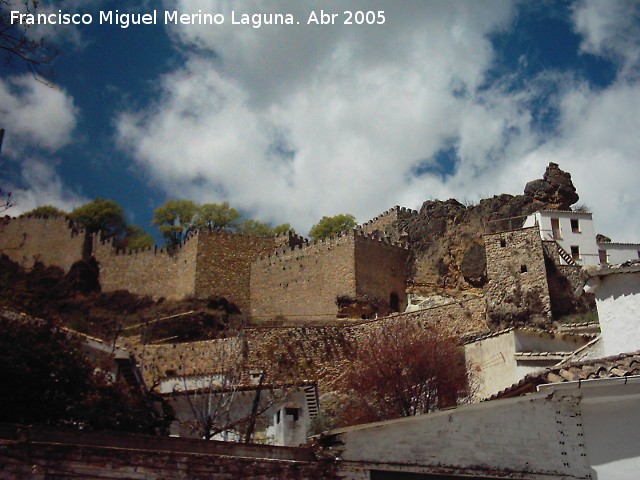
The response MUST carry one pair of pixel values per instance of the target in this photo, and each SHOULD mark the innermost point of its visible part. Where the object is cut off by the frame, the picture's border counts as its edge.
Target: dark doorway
(394, 302)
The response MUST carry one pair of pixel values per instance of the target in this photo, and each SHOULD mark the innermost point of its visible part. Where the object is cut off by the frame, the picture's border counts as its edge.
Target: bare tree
(18, 43)
(401, 371)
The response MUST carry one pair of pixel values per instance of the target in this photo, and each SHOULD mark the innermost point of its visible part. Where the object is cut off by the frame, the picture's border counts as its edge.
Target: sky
(288, 123)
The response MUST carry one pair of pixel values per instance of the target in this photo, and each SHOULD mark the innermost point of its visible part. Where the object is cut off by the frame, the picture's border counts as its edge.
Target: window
(523, 269)
(575, 225)
(575, 252)
(503, 242)
(555, 229)
(292, 412)
(604, 258)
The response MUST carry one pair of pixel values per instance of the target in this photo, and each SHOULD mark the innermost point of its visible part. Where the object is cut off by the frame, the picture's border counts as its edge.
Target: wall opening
(555, 228)
(503, 242)
(575, 252)
(523, 269)
(575, 225)
(394, 302)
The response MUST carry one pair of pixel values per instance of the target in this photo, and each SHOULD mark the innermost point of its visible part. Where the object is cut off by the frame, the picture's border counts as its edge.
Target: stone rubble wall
(223, 265)
(517, 274)
(40, 453)
(315, 353)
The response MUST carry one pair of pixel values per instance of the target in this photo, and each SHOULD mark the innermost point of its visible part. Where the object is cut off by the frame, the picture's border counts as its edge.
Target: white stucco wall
(585, 239)
(535, 437)
(618, 303)
(492, 364)
(567, 431)
(620, 252)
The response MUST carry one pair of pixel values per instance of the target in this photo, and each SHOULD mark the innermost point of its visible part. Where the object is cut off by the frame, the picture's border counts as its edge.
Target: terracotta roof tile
(622, 365)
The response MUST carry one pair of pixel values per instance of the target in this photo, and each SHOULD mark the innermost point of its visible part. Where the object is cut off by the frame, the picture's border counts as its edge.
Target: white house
(283, 413)
(500, 359)
(573, 231)
(617, 291)
(612, 253)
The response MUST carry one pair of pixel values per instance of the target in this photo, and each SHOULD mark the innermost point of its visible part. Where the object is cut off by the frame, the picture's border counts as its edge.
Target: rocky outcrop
(554, 189)
(445, 238)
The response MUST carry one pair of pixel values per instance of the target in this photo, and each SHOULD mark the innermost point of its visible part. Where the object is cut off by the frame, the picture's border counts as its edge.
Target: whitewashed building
(617, 291)
(499, 359)
(575, 233)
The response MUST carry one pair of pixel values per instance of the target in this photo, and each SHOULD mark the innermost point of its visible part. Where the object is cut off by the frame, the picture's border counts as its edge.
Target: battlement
(52, 240)
(394, 213)
(358, 234)
(62, 221)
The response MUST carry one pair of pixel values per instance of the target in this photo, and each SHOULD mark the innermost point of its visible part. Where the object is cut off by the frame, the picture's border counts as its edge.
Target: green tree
(46, 211)
(101, 215)
(283, 228)
(330, 226)
(254, 227)
(174, 220)
(137, 238)
(216, 217)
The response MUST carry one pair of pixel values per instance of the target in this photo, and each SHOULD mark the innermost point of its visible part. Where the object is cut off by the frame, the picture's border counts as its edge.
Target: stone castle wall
(223, 265)
(517, 274)
(385, 224)
(304, 282)
(381, 271)
(50, 240)
(151, 271)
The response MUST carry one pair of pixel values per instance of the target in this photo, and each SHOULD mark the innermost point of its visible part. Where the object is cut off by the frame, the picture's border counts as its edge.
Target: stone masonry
(518, 288)
(306, 282)
(50, 240)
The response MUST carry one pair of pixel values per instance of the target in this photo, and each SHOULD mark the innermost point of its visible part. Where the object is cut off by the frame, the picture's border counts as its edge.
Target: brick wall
(50, 240)
(150, 271)
(517, 276)
(42, 453)
(224, 265)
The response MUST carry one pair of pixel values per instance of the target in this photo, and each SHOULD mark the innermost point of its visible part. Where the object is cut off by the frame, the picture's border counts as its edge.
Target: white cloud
(295, 122)
(610, 29)
(39, 118)
(35, 115)
(41, 186)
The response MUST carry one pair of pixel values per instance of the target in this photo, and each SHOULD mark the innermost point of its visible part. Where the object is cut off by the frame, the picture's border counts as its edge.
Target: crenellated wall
(306, 281)
(386, 224)
(150, 271)
(47, 239)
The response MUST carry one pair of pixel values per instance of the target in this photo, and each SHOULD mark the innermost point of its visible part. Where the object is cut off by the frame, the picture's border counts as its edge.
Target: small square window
(503, 242)
(575, 225)
(523, 269)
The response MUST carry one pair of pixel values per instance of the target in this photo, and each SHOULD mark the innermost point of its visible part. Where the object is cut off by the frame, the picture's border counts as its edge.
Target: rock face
(446, 249)
(554, 189)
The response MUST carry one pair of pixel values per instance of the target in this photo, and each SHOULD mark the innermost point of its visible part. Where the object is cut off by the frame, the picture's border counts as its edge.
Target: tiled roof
(467, 339)
(622, 365)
